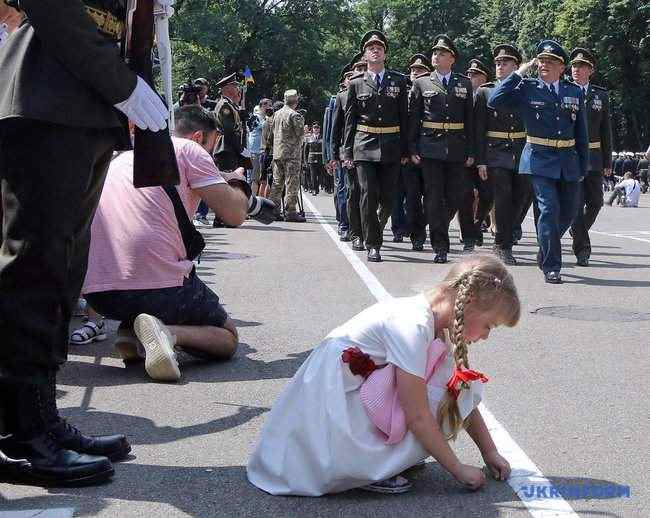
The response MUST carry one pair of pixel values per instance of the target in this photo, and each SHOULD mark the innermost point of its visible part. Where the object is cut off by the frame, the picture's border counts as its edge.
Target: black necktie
(551, 87)
(378, 82)
(444, 82)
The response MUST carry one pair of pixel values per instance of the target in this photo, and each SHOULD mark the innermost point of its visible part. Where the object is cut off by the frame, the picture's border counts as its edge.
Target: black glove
(261, 209)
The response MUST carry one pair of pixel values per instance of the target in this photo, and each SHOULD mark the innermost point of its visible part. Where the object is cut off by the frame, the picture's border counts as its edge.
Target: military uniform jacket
(57, 67)
(229, 148)
(314, 150)
(338, 125)
(288, 130)
(492, 151)
(599, 128)
(385, 107)
(547, 116)
(431, 102)
(327, 130)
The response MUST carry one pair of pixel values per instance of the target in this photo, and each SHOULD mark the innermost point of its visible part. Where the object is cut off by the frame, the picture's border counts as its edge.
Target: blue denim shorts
(192, 304)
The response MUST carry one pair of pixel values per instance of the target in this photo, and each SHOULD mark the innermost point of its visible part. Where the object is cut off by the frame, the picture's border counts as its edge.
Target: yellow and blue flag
(248, 76)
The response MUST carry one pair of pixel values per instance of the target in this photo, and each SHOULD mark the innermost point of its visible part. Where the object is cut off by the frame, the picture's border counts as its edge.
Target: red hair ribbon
(463, 377)
(360, 362)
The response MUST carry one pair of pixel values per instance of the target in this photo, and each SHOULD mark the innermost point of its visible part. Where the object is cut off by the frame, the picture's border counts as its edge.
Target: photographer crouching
(140, 268)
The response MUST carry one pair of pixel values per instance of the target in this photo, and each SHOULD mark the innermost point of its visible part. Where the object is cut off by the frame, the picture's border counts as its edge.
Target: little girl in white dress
(387, 389)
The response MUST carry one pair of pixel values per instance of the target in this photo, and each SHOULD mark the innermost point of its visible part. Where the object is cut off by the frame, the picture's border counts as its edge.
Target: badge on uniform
(460, 91)
(393, 91)
(597, 104)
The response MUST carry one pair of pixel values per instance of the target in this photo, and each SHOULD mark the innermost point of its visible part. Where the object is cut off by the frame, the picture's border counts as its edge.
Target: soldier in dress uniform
(583, 64)
(500, 139)
(376, 118)
(355, 231)
(556, 150)
(60, 122)
(419, 65)
(230, 148)
(479, 74)
(441, 139)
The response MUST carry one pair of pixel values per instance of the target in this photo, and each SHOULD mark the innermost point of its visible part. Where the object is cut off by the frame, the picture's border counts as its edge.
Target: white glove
(145, 108)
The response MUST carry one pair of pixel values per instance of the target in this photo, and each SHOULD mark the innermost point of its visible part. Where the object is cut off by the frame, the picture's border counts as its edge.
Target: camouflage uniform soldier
(288, 131)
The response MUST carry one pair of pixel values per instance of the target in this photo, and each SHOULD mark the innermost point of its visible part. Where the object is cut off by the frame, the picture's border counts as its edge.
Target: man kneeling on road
(138, 270)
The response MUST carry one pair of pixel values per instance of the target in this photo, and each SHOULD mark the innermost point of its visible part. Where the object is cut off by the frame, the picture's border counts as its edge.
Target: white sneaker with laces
(160, 360)
(390, 486)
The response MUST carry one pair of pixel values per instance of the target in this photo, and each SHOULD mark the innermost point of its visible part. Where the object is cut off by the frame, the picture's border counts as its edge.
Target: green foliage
(303, 44)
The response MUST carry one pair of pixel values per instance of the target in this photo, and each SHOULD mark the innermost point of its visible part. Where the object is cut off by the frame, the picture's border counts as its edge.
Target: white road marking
(524, 471)
(611, 234)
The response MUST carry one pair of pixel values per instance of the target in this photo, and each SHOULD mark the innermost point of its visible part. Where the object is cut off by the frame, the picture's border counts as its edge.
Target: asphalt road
(569, 384)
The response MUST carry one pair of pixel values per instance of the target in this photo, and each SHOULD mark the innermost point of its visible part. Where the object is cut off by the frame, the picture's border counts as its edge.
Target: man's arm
(404, 119)
(416, 108)
(227, 126)
(228, 203)
(350, 122)
(480, 127)
(338, 120)
(508, 93)
(582, 135)
(606, 136)
(469, 124)
(67, 31)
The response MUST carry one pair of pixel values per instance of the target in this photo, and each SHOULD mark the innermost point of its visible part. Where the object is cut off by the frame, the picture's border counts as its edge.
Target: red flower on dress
(360, 362)
(463, 377)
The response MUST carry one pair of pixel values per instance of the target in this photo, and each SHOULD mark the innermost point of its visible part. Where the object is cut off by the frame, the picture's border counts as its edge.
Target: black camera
(189, 94)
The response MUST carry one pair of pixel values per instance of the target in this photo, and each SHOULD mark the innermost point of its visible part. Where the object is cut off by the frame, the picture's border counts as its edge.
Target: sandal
(89, 332)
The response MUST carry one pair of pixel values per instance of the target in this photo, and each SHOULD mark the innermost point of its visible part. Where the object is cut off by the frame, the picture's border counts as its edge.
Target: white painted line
(60, 512)
(524, 471)
(612, 234)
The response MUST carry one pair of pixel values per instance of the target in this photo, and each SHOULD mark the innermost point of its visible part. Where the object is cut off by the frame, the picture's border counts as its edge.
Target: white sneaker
(160, 361)
(201, 221)
(390, 486)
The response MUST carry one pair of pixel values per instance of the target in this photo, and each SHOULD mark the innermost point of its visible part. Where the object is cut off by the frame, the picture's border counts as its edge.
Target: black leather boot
(115, 447)
(43, 460)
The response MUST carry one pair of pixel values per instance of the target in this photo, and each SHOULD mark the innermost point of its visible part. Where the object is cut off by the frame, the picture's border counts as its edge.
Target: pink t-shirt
(136, 243)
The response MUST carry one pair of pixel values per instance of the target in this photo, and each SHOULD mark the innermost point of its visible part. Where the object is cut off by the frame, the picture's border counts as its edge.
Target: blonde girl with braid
(389, 388)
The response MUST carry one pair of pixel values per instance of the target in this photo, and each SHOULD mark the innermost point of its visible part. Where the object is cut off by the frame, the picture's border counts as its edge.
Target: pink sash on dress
(379, 395)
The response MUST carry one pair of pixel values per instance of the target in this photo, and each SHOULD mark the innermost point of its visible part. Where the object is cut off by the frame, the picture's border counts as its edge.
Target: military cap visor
(583, 56)
(507, 52)
(233, 78)
(374, 37)
(551, 49)
(419, 61)
(476, 67)
(443, 42)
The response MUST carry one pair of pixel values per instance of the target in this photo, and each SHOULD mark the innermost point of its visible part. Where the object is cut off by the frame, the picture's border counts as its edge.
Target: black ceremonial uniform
(441, 132)
(228, 152)
(375, 138)
(61, 76)
(500, 139)
(600, 157)
(351, 178)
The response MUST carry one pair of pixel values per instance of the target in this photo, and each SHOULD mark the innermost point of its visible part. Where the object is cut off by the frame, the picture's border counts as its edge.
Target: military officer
(376, 118)
(583, 64)
(419, 65)
(556, 150)
(479, 73)
(60, 122)
(228, 153)
(353, 190)
(500, 139)
(441, 139)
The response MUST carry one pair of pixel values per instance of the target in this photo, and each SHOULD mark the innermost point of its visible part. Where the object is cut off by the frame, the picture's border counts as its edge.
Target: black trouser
(511, 196)
(52, 178)
(353, 203)
(378, 182)
(447, 189)
(315, 176)
(485, 190)
(417, 222)
(591, 201)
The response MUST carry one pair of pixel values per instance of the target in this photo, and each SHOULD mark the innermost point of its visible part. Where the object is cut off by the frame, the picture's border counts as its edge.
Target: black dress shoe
(417, 246)
(468, 248)
(398, 239)
(345, 236)
(115, 447)
(582, 261)
(52, 465)
(479, 240)
(553, 277)
(506, 256)
(440, 257)
(357, 244)
(374, 256)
